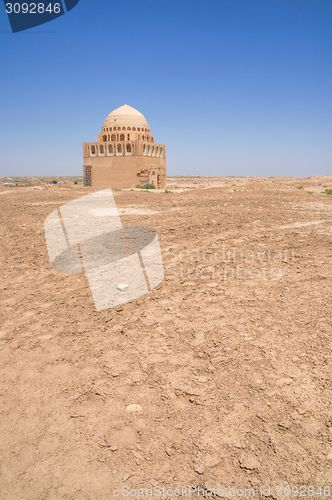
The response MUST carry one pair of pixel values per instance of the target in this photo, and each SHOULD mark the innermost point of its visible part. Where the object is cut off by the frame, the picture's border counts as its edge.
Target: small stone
(284, 425)
(248, 462)
(125, 477)
(199, 468)
(113, 448)
(284, 381)
(134, 408)
(122, 287)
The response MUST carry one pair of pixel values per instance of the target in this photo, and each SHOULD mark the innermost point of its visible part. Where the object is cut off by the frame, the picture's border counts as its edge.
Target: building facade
(125, 153)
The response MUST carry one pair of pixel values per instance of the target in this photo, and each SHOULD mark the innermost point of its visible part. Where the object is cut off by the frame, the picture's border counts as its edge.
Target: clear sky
(232, 87)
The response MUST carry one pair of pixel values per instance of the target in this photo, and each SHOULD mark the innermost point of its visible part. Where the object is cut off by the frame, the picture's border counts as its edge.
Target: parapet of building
(125, 153)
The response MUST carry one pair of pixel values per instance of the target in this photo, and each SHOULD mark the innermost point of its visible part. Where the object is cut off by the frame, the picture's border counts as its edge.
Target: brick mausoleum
(125, 154)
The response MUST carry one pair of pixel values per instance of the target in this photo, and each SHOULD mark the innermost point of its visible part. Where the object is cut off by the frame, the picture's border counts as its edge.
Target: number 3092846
(32, 8)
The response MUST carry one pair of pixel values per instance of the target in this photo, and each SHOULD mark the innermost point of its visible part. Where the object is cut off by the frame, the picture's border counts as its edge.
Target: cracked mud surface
(219, 377)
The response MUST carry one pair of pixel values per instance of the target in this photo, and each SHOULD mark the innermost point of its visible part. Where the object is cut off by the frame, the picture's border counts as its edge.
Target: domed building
(125, 153)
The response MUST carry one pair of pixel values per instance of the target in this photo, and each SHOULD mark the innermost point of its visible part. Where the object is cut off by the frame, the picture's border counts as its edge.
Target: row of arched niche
(122, 137)
(128, 148)
(106, 129)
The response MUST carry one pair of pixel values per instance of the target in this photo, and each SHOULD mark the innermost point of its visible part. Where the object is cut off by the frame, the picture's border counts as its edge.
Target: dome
(126, 116)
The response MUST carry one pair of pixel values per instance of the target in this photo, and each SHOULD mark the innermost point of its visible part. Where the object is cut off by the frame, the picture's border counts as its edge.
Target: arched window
(122, 137)
(145, 130)
(113, 137)
(161, 152)
(153, 178)
(110, 150)
(128, 149)
(101, 150)
(123, 128)
(149, 150)
(119, 128)
(157, 152)
(128, 137)
(134, 129)
(138, 129)
(153, 151)
(128, 128)
(114, 128)
(119, 149)
(144, 149)
(92, 150)
(104, 138)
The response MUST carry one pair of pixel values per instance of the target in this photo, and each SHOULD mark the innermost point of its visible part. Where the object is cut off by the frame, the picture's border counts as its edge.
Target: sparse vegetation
(41, 181)
(301, 187)
(328, 191)
(117, 189)
(310, 192)
(146, 186)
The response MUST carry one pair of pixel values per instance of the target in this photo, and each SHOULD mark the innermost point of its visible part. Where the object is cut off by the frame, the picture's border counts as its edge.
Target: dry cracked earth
(218, 379)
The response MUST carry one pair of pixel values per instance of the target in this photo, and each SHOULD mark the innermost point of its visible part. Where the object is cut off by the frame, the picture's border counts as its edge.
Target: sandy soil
(219, 378)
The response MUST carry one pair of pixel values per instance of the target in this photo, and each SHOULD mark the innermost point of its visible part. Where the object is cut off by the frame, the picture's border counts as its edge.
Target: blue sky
(232, 87)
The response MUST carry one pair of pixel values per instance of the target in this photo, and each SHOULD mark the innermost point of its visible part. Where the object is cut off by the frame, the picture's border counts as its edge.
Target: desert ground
(218, 379)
